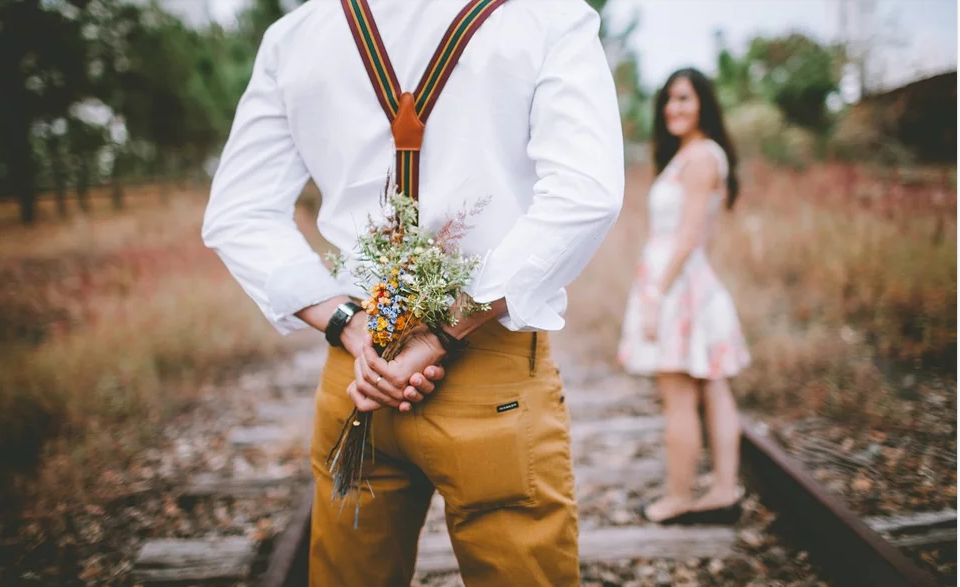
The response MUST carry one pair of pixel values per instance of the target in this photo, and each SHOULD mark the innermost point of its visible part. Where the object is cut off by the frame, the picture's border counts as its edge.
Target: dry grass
(108, 325)
(844, 285)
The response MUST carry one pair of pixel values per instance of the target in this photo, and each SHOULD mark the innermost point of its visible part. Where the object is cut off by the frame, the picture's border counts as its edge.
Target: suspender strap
(374, 55)
(448, 52)
(408, 112)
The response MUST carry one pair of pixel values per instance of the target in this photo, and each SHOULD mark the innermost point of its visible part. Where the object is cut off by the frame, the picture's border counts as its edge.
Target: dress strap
(678, 161)
(721, 155)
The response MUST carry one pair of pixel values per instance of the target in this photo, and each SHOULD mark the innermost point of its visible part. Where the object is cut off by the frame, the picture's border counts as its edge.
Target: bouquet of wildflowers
(412, 278)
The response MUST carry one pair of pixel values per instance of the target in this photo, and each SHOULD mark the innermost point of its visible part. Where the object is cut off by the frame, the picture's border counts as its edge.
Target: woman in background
(681, 325)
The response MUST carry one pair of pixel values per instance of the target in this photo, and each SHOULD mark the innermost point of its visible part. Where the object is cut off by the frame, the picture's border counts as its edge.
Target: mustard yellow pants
(493, 439)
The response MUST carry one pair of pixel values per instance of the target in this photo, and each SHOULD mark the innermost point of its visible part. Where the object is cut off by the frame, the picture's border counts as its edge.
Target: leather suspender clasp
(408, 114)
(407, 128)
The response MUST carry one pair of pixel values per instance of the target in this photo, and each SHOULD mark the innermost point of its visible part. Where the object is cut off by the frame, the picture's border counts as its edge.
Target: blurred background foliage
(99, 92)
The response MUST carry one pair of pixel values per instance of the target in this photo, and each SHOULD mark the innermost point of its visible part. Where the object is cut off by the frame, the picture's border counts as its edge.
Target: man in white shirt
(529, 120)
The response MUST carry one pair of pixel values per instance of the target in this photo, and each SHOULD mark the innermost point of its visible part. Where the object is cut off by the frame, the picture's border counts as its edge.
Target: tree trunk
(59, 177)
(168, 180)
(83, 185)
(23, 172)
(28, 204)
(116, 196)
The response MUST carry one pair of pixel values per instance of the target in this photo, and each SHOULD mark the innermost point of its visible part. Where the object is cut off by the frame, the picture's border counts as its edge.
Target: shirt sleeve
(576, 142)
(249, 219)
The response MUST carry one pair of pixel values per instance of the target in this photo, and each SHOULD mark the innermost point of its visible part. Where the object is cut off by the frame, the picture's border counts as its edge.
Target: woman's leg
(723, 424)
(683, 442)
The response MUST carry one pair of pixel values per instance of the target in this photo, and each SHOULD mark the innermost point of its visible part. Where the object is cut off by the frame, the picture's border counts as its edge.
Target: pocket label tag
(507, 407)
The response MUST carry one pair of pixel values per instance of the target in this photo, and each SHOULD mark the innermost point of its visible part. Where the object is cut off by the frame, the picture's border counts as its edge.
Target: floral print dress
(698, 330)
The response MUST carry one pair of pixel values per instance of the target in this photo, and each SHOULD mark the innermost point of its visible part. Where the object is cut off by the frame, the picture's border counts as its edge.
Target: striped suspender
(408, 112)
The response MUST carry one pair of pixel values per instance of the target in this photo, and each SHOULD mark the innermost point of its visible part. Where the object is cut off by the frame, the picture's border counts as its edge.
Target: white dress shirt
(529, 119)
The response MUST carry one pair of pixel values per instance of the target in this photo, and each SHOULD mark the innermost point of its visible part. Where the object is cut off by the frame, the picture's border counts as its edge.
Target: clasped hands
(399, 383)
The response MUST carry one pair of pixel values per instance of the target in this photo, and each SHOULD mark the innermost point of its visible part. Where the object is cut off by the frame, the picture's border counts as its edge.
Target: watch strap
(453, 345)
(341, 317)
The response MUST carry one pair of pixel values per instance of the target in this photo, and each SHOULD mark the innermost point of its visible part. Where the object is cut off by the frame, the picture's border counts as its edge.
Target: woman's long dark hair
(665, 145)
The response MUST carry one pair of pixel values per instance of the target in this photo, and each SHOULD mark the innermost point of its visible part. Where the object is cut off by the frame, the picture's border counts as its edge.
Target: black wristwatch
(345, 312)
(451, 344)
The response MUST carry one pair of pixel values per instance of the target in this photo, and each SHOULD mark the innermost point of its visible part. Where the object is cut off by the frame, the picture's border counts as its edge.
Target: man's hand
(356, 341)
(403, 381)
(420, 385)
(372, 389)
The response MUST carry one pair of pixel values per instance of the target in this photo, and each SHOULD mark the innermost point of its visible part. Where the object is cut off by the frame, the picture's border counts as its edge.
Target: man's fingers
(379, 374)
(425, 385)
(375, 394)
(367, 374)
(365, 385)
(405, 407)
(391, 372)
(412, 394)
(363, 403)
(435, 372)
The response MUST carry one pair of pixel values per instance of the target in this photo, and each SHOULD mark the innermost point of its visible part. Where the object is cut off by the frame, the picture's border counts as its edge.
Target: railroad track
(615, 434)
(853, 550)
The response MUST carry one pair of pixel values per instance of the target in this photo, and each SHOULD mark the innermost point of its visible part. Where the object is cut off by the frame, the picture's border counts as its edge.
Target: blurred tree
(58, 172)
(794, 72)
(625, 62)
(42, 72)
(734, 84)
(256, 19)
(86, 139)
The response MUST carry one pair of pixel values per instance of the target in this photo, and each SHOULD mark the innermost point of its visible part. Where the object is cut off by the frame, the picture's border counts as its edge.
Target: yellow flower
(396, 272)
(381, 323)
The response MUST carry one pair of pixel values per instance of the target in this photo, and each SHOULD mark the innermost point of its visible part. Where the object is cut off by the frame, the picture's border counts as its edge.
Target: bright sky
(676, 33)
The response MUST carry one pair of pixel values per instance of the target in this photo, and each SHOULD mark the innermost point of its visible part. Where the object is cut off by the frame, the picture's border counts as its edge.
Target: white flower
(429, 241)
(383, 259)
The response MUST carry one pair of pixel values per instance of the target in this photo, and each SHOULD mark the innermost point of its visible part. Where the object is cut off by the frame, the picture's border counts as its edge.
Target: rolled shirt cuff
(291, 288)
(529, 307)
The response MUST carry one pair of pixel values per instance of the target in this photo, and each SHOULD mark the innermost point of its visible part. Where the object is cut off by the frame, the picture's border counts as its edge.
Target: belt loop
(533, 355)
